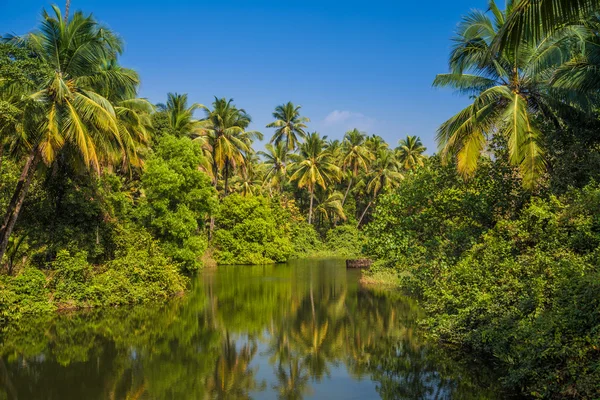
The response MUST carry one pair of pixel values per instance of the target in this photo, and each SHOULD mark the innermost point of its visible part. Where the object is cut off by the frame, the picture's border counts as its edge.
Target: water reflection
(298, 331)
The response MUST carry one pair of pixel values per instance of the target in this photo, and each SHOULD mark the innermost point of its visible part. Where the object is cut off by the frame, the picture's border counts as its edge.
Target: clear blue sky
(367, 64)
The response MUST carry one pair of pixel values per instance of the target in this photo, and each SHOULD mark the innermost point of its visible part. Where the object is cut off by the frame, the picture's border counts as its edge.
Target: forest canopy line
(109, 199)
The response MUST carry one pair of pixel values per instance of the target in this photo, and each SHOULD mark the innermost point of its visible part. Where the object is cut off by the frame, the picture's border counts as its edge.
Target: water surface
(305, 330)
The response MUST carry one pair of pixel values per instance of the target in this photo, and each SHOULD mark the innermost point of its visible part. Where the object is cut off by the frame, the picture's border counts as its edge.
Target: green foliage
(345, 241)
(250, 231)
(306, 240)
(178, 198)
(513, 279)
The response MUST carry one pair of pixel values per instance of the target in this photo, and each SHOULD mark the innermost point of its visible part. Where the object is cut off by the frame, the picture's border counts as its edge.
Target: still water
(305, 330)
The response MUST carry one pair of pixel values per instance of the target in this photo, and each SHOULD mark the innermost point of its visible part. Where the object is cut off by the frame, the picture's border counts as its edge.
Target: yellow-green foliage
(252, 230)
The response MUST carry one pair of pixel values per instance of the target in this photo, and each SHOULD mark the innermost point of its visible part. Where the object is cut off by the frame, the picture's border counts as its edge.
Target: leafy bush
(345, 240)
(517, 281)
(248, 231)
(178, 197)
(305, 240)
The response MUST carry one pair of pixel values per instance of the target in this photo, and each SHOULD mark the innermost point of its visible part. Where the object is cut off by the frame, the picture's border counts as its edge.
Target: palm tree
(66, 109)
(410, 152)
(330, 207)
(276, 162)
(510, 89)
(181, 116)
(356, 156)
(224, 128)
(385, 173)
(290, 125)
(314, 167)
(250, 176)
(532, 20)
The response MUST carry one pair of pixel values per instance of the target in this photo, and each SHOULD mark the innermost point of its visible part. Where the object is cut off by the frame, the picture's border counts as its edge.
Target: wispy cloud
(348, 120)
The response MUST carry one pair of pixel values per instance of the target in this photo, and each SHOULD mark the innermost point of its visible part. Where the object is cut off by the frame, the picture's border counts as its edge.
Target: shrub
(248, 231)
(345, 240)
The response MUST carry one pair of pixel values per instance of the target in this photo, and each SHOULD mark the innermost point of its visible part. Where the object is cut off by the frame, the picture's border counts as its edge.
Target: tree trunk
(364, 213)
(310, 210)
(347, 191)
(14, 207)
(67, 7)
(226, 177)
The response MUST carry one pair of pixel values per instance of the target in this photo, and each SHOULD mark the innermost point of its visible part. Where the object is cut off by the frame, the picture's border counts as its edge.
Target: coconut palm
(314, 167)
(276, 161)
(290, 125)
(385, 174)
(330, 207)
(510, 88)
(533, 20)
(356, 156)
(410, 152)
(65, 110)
(181, 115)
(224, 129)
(375, 143)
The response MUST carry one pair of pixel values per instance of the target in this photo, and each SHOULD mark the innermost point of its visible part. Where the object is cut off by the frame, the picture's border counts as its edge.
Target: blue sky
(349, 64)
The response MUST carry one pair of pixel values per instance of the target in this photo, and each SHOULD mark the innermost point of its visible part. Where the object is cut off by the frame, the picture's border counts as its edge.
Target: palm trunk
(67, 7)
(226, 178)
(14, 207)
(310, 209)
(347, 191)
(364, 213)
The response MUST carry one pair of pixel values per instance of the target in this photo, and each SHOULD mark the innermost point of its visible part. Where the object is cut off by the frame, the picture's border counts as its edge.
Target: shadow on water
(301, 330)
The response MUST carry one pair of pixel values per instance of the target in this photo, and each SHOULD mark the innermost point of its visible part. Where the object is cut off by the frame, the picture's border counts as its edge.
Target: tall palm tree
(314, 167)
(510, 88)
(180, 114)
(224, 128)
(385, 173)
(66, 109)
(290, 125)
(356, 156)
(330, 207)
(532, 20)
(276, 160)
(410, 152)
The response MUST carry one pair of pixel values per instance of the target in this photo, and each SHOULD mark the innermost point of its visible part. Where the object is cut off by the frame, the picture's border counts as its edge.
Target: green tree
(385, 174)
(177, 200)
(180, 114)
(356, 156)
(66, 110)
(276, 160)
(410, 152)
(511, 90)
(290, 125)
(224, 128)
(314, 167)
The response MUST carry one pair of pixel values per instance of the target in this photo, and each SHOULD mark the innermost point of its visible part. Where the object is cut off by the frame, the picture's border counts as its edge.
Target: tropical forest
(179, 250)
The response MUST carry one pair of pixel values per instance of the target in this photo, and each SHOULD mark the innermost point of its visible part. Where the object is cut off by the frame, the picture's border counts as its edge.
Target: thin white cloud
(348, 120)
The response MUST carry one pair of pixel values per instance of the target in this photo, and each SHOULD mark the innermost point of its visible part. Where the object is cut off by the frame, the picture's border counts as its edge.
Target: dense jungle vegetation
(110, 199)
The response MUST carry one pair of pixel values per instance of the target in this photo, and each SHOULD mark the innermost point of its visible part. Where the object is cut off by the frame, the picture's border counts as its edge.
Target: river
(302, 330)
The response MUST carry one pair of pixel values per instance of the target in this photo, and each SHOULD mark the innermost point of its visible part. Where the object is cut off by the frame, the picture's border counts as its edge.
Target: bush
(345, 240)
(178, 198)
(518, 283)
(305, 240)
(249, 232)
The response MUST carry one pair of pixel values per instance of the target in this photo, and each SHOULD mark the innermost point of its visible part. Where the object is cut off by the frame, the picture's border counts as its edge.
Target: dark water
(302, 330)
